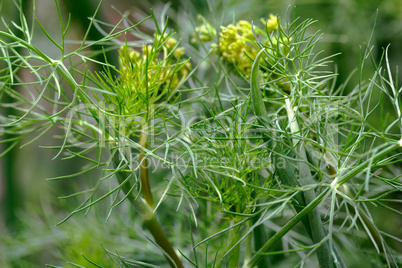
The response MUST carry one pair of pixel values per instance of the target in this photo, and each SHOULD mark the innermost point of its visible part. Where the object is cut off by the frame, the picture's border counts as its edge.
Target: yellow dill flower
(179, 52)
(147, 50)
(272, 23)
(244, 27)
(236, 46)
(134, 55)
(171, 43)
(203, 33)
(229, 33)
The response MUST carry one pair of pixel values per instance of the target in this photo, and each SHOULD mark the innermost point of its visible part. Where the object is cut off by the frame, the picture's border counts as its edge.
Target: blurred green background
(29, 205)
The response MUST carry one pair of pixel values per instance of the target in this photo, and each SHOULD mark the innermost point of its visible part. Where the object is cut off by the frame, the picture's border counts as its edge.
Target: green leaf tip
(256, 95)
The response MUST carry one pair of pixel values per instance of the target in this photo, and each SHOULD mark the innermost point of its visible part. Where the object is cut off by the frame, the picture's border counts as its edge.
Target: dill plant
(271, 144)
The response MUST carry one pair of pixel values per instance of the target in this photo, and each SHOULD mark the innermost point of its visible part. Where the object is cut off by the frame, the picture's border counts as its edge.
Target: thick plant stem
(316, 227)
(285, 229)
(161, 239)
(152, 224)
(145, 184)
(305, 178)
(260, 237)
(148, 216)
(234, 258)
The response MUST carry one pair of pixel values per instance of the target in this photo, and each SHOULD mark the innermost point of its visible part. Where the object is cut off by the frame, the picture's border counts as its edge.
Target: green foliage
(218, 174)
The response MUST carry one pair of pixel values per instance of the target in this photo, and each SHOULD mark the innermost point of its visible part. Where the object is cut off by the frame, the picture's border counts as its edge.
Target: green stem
(359, 168)
(299, 216)
(316, 227)
(145, 184)
(305, 178)
(285, 229)
(148, 216)
(260, 237)
(11, 203)
(161, 239)
(249, 248)
(234, 237)
(288, 178)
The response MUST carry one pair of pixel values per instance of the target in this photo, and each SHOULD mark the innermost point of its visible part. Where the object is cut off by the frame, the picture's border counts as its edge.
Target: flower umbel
(203, 33)
(146, 78)
(272, 23)
(238, 45)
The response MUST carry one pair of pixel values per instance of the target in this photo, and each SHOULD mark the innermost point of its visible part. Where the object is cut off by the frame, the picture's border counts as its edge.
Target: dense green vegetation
(200, 134)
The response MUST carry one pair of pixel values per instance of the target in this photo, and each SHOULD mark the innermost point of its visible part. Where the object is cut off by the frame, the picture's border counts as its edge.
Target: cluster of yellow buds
(171, 45)
(237, 42)
(204, 33)
(148, 75)
(272, 23)
(240, 43)
(236, 45)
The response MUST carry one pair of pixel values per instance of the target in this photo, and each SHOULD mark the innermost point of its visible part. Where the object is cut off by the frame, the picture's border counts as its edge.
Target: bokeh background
(29, 205)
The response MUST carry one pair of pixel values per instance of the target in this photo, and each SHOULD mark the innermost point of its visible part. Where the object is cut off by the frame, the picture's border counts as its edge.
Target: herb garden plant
(246, 154)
